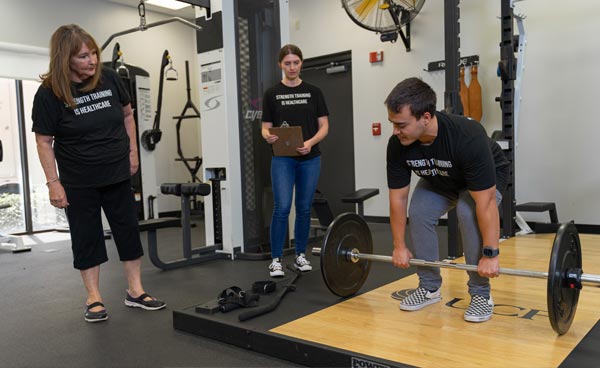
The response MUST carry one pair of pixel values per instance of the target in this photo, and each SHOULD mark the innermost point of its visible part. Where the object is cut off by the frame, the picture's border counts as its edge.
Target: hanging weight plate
(342, 276)
(562, 299)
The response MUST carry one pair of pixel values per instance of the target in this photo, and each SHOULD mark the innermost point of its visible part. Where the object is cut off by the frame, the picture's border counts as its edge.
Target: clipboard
(290, 138)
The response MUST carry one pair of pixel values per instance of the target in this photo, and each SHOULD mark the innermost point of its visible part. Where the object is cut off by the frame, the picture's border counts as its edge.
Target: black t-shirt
(301, 106)
(91, 144)
(462, 156)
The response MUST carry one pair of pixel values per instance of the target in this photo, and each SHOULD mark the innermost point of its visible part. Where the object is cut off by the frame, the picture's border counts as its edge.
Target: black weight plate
(342, 276)
(562, 300)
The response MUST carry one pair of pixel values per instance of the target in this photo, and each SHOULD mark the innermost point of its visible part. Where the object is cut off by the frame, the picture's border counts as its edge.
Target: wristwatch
(490, 252)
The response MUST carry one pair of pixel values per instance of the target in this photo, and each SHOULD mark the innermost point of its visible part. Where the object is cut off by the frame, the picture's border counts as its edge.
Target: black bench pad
(540, 207)
(360, 195)
(179, 189)
(159, 223)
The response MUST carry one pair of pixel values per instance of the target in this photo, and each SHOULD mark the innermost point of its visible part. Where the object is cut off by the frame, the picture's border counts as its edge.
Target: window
(28, 208)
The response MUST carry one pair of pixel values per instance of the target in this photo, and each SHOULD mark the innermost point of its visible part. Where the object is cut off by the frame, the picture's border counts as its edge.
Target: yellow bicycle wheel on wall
(382, 16)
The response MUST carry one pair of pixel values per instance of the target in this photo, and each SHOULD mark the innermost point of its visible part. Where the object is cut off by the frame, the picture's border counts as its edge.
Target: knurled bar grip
(355, 255)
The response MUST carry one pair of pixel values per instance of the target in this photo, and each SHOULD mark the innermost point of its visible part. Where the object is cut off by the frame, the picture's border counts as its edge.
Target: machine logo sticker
(254, 111)
(212, 103)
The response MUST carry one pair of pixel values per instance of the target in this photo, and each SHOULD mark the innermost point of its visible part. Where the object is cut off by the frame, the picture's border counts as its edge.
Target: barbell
(346, 256)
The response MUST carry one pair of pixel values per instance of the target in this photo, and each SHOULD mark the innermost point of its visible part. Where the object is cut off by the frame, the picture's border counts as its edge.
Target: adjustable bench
(539, 207)
(190, 255)
(539, 227)
(324, 213)
(359, 197)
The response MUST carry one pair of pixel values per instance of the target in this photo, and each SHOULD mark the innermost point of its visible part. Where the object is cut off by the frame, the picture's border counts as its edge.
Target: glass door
(26, 207)
(44, 216)
(12, 218)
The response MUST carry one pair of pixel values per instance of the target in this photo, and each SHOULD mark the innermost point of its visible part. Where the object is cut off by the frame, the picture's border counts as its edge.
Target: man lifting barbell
(346, 256)
(459, 167)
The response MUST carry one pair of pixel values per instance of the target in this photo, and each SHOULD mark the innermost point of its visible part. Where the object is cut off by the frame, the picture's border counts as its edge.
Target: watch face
(489, 252)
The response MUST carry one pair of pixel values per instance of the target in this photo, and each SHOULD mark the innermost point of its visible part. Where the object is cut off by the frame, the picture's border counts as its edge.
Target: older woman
(83, 123)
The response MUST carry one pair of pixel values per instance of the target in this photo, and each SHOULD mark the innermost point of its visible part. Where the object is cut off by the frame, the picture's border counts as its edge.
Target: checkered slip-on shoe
(480, 309)
(420, 298)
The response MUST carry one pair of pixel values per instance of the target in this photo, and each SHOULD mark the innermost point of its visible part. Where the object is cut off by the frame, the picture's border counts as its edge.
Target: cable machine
(188, 161)
(236, 63)
(151, 137)
(144, 26)
(138, 82)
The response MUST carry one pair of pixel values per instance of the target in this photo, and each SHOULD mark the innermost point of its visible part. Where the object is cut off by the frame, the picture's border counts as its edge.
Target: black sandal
(100, 316)
(139, 302)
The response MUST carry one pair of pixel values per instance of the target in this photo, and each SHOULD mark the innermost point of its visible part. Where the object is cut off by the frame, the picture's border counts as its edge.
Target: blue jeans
(285, 173)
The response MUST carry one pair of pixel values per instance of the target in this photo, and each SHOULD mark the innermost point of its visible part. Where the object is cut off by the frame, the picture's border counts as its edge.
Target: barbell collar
(354, 256)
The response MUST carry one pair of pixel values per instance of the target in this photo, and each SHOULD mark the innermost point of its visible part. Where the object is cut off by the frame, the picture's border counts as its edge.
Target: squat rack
(509, 101)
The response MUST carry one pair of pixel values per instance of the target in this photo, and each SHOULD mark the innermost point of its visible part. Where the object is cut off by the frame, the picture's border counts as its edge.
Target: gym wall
(555, 158)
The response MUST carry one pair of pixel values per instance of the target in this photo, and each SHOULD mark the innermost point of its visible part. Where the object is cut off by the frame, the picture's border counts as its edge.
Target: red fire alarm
(376, 129)
(376, 56)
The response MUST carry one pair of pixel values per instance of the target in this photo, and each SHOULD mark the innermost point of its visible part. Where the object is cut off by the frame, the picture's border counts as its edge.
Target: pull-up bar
(143, 26)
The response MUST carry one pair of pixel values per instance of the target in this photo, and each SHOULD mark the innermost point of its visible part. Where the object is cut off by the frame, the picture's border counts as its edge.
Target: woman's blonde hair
(66, 42)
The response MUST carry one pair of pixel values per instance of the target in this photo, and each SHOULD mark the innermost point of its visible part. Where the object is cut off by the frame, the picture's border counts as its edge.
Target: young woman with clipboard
(295, 103)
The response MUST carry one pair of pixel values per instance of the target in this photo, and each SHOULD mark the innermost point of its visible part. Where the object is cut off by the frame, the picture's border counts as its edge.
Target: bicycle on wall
(386, 17)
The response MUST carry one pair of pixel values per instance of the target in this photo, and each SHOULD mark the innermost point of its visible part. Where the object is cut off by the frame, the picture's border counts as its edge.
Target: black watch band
(490, 252)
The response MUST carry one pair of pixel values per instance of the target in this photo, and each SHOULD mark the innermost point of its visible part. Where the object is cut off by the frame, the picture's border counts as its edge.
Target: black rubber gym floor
(42, 303)
(42, 300)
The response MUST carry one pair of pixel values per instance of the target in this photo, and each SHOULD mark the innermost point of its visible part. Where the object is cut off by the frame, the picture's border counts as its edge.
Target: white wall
(31, 23)
(555, 157)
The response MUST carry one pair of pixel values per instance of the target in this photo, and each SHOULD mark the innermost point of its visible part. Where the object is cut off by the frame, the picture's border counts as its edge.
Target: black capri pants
(85, 223)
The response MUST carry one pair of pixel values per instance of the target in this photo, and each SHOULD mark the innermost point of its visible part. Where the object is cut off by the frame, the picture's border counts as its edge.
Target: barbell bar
(347, 252)
(355, 255)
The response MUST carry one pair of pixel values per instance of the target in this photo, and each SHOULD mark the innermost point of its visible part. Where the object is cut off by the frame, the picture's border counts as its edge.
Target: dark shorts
(85, 223)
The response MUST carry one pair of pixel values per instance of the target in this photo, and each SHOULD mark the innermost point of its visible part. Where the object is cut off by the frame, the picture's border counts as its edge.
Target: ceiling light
(169, 4)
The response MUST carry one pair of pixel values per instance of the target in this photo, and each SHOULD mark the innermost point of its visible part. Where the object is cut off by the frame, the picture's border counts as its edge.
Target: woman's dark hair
(415, 94)
(289, 50)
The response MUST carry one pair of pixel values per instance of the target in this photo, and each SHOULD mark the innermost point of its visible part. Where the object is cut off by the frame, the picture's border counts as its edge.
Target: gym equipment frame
(143, 26)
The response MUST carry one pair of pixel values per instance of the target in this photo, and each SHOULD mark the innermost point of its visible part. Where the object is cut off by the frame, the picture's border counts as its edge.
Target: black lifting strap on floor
(264, 287)
(263, 309)
(234, 298)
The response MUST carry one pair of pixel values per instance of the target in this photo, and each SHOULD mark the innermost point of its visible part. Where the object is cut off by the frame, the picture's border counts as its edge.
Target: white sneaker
(302, 263)
(275, 268)
(420, 298)
(480, 309)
